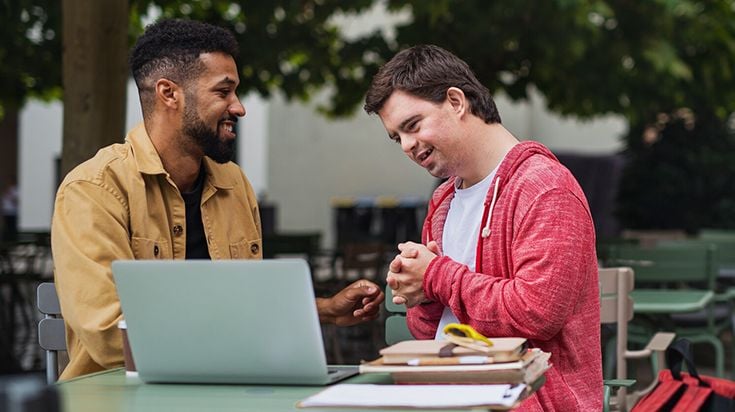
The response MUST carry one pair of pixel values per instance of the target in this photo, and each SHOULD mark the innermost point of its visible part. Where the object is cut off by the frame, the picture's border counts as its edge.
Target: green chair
(396, 329)
(725, 241)
(724, 300)
(616, 307)
(725, 257)
(674, 281)
(717, 234)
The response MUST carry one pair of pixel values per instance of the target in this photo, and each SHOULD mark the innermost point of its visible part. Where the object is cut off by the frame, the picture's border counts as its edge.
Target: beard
(221, 151)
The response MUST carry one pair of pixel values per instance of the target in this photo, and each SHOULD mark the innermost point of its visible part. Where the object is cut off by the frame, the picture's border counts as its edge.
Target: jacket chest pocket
(246, 249)
(146, 249)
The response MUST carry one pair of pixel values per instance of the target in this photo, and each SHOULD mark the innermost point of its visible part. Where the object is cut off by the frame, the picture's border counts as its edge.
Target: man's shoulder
(545, 173)
(106, 165)
(542, 177)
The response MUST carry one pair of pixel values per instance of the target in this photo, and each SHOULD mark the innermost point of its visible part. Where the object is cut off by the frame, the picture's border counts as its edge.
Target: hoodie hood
(440, 200)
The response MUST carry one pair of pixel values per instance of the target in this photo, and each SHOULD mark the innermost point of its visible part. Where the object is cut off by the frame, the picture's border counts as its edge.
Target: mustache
(229, 117)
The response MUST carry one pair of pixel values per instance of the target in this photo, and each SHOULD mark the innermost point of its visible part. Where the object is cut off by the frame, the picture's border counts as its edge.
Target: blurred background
(636, 98)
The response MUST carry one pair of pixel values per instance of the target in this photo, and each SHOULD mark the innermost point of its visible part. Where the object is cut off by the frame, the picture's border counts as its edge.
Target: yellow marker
(465, 335)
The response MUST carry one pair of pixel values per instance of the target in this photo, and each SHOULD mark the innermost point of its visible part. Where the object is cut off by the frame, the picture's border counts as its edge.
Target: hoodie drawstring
(486, 229)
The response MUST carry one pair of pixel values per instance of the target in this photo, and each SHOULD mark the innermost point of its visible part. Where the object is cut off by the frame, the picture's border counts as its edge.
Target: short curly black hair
(170, 48)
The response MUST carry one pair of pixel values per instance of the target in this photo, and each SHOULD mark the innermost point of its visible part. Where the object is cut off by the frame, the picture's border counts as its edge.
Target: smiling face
(429, 133)
(212, 107)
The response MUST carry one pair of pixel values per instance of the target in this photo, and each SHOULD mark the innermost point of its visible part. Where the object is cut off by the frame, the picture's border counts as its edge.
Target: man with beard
(169, 191)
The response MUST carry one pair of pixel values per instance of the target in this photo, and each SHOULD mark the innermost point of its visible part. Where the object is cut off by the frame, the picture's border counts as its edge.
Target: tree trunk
(8, 147)
(95, 73)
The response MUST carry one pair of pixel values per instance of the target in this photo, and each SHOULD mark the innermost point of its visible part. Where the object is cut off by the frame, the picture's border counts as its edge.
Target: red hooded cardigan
(536, 275)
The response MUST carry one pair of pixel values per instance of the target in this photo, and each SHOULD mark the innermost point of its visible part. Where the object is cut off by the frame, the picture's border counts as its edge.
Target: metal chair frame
(51, 332)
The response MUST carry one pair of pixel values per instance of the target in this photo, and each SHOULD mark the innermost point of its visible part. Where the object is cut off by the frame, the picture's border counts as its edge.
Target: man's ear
(457, 99)
(168, 93)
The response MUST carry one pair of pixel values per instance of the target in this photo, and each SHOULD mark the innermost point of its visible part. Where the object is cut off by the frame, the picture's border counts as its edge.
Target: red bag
(680, 391)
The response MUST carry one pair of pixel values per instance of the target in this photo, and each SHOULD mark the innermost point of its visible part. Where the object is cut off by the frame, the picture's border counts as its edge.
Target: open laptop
(229, 321)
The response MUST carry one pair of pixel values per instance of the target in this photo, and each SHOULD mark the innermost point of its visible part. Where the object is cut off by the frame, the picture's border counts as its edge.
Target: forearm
(549, 269)
(495, 306)
(324, 310)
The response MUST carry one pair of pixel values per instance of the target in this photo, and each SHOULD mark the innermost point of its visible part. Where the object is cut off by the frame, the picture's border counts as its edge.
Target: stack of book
(508, 361)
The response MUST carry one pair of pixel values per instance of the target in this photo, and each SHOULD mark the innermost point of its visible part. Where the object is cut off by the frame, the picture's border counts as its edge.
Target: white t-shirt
(462, 229)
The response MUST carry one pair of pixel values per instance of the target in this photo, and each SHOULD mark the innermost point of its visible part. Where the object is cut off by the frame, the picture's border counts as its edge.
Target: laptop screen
(234, 321)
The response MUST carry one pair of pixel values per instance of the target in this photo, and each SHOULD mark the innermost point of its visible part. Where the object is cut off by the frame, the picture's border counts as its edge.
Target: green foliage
(290, 46)
(587, 57)
(635, 58)
(30, 51)
(590, 57)
(681, 176)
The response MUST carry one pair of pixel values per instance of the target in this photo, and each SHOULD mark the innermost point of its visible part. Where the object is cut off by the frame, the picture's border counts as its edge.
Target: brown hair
(427, 71)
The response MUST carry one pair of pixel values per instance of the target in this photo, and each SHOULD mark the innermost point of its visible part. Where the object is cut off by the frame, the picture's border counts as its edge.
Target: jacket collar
(215, 176)
(149, 162)
(145, 154)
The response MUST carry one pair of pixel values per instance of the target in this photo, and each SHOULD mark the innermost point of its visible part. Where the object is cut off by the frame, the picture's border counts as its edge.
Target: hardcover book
(529, 368)
(502, 350)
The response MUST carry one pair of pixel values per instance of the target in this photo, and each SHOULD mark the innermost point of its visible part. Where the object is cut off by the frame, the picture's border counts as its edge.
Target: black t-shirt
(196, 240)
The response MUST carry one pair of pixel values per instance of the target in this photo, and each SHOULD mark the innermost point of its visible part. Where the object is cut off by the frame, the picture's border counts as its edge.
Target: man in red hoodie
(508, 242)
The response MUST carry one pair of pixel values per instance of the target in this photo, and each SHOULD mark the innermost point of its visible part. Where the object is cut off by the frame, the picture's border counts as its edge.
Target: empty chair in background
(616, 307)
(673, 281)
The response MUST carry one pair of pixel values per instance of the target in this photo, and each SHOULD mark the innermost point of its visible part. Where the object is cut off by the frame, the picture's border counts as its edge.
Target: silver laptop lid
(234, 321)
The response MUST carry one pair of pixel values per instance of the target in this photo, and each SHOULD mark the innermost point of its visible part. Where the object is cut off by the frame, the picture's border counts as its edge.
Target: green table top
(114, 391)
(670, 301)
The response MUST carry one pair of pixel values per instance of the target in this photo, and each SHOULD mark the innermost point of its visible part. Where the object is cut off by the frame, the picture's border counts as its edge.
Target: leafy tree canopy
(588, 57)
(666, 65)
(646, 60)
(291, 46)
(30, 51)
(681, 175)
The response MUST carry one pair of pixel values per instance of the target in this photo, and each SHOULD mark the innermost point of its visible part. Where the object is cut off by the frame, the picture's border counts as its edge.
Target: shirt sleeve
(89, 231)
(550, 258)
(423, 319)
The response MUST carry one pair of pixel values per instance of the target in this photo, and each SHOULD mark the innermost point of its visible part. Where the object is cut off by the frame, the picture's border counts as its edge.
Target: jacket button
(254, 248)
(178, 230)
(156, 250)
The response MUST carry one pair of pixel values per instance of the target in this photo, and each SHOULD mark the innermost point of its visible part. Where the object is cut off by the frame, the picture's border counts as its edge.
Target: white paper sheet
(415, 396)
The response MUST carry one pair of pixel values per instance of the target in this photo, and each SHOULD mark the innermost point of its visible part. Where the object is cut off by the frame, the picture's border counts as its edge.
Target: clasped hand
(406, 272)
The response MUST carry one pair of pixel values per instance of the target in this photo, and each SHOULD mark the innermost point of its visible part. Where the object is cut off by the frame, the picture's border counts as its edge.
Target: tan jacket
(122, 204)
